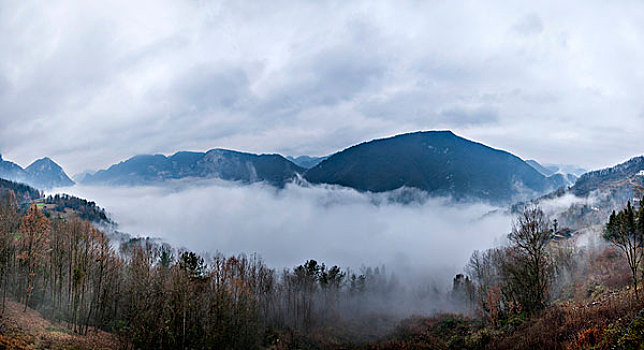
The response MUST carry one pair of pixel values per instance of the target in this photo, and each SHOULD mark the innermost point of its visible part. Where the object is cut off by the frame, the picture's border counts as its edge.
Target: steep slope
(29, 330)
(45, 173)
(438, 162)
(216, 163)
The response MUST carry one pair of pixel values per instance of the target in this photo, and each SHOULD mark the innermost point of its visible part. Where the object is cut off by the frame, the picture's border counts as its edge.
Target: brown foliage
(566, 325)
(586, 339)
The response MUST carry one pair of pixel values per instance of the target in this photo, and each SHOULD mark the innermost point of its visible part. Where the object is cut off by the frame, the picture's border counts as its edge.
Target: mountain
(216, 163)
(540, 168)
(550, 169)
(596, 194)
(569, 173)
(306, 161)
(566, 169)
(79, 177)
(625, 179)
(11, 171)
(45, 173)
(438, 162)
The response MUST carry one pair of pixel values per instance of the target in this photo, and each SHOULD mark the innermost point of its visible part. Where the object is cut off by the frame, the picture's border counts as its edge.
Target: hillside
(64, 205)
(59, 205)
(23, 193)
(597, 193)
(438, 162)
(29, 330)
(625, 180)
(216, 163)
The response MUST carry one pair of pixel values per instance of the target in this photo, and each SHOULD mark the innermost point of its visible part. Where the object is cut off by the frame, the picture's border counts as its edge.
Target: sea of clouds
(428, 237)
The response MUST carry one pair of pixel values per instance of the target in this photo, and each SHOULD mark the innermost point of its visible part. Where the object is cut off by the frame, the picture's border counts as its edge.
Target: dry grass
(595, 325)
(29, 330)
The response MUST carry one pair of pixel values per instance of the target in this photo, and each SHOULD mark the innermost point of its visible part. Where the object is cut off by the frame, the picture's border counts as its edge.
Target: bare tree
(34, 230)
(527, 267)
(9, 224)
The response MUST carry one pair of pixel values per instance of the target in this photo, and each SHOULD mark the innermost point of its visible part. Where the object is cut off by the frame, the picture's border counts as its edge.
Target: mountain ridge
(43, 173)
(215, 163)
(306, 161)
(597, 193)
(438, 162)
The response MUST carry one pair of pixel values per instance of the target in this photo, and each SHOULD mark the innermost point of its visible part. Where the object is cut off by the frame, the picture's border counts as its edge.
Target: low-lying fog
(432, 238)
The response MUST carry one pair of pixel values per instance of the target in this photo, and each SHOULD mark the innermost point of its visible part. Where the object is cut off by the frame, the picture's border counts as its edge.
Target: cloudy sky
(92, 83)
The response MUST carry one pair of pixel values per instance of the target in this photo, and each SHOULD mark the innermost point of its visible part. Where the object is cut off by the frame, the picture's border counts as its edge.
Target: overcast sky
(90, 83)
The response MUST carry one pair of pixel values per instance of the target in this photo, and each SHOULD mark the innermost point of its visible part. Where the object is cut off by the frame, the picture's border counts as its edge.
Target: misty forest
(321, 175)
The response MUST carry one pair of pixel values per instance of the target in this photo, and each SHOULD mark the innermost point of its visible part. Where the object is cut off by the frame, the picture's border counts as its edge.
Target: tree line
(22, 192)
(159, 297)
(83, 208)
(164, 298)
(522, 278)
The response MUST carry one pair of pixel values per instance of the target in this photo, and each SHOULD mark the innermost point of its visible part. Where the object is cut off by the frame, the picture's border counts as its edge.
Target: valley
(321, 175)
(422, 238)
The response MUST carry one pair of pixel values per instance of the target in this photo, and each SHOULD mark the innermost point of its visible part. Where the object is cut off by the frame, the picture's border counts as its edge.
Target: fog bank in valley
(431, 238)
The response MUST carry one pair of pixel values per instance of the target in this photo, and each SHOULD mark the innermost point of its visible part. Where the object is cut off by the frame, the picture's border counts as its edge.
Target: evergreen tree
(623, 232)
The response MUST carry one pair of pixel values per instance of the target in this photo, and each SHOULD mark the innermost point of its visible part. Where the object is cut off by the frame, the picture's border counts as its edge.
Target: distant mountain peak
(44, 161)
(567, 173)
(307, 162)
(45, 173)
(438, 162)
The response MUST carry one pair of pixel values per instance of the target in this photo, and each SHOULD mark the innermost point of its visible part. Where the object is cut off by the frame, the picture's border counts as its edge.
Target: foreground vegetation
(158, 297)
(539, 293)
(534, 293)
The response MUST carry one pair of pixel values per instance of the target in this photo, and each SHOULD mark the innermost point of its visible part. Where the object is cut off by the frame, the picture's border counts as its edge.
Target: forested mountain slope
(438, 162)
(216, 163)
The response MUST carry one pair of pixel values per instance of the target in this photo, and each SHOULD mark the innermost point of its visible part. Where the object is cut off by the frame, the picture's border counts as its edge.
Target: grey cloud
(324, 78)
(203, 88)
(94, 84)
(463, 116)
